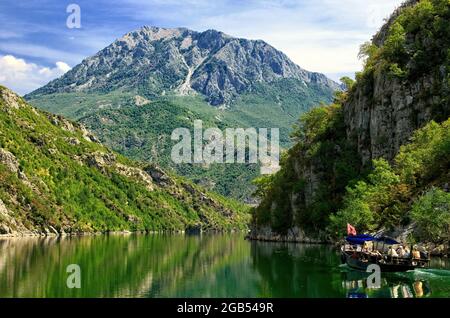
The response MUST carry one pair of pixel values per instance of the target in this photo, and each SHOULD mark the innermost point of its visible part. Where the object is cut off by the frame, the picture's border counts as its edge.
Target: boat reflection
(393, 285)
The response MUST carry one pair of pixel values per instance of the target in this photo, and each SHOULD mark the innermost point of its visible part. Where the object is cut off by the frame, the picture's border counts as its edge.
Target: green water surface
(196, 266)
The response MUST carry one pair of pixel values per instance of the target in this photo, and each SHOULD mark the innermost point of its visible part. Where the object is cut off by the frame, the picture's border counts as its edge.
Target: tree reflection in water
(195, 266)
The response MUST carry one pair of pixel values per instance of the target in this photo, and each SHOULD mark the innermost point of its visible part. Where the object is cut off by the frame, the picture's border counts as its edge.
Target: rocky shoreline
(50, 234)
(36, 234)
(294, 235)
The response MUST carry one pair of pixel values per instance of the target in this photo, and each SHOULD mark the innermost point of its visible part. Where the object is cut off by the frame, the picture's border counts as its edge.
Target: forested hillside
(57, 178)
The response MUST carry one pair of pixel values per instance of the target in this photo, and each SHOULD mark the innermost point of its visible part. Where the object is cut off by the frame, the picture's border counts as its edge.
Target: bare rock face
(141, 101)
(4, 216)
(183, 61)
(9, 160)
(136, 173)
(382, 118)
(11, 99)
(72, 141)
(158, 175)
(100, 160)
(62, 122)
(72, 127)
(87, 135)
(108, 161)
(294, 234)
(3, 210)
(9, 226)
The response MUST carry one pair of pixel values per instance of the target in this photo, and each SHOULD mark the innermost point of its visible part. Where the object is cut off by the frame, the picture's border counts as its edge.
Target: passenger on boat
(416, 253)
(400, 251)
(407, 252)
(368, 247)
(423, 252)
(392, 252)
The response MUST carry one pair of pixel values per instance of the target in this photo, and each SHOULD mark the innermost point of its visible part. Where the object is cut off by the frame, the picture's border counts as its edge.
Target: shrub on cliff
(384, 197)
(431, 212)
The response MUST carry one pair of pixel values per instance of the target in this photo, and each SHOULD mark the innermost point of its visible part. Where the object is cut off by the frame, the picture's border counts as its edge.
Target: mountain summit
(160, 60)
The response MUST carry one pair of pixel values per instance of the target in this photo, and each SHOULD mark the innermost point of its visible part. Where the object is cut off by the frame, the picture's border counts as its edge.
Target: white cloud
(64, 67)
(23, 77)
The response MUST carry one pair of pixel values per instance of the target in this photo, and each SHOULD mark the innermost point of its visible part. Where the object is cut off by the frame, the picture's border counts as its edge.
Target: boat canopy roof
(387, 240)
(361, 239)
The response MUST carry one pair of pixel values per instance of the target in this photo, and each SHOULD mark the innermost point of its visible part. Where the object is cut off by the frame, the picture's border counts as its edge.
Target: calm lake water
(195, 266)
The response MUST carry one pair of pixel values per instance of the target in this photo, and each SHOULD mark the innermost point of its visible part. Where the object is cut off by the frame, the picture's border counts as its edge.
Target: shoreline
(124, 232)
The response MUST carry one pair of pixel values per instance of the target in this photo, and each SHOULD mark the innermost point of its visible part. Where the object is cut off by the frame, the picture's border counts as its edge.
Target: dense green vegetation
(390, 192)
(78, 105)
(75, 185)
(417, 43)
(143, 132)
(431, 212)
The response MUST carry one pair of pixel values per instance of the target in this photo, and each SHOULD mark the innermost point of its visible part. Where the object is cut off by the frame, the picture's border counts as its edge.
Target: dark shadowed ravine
(195, 266)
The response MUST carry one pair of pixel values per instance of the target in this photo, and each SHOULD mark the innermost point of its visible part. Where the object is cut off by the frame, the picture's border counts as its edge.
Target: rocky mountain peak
(157, 61)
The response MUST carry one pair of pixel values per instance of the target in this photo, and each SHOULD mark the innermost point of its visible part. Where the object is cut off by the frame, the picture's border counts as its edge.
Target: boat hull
(401, 265)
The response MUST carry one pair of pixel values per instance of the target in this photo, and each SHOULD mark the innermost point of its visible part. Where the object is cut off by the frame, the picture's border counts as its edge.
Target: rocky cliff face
(383, 112)
(159, 61)
(381, 116)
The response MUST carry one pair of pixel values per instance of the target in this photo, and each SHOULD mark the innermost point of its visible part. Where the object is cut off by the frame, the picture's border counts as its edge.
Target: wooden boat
(357, 258)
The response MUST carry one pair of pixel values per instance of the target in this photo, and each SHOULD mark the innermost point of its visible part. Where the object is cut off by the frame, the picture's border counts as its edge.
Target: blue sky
(319, 35)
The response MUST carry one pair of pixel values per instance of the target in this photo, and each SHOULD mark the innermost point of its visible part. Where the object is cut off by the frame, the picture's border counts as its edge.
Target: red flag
(350, 230)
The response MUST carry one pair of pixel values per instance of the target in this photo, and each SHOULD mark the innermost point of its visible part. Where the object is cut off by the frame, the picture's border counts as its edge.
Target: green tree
(431, 212)
(348, 82)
